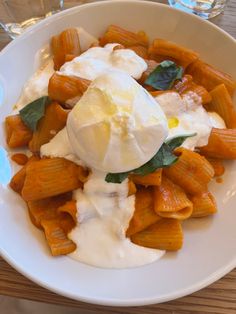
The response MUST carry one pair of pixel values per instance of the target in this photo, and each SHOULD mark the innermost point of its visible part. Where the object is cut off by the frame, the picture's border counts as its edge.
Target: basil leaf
(164, 75)
(163, 158)
(178, 140)
(34, 111)
(116, 177)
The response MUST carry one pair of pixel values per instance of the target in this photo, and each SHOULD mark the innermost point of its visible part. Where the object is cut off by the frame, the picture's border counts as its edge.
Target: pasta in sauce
(59, 190)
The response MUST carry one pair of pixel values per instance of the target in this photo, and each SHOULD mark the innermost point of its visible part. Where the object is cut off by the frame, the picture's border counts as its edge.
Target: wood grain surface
(218, 298)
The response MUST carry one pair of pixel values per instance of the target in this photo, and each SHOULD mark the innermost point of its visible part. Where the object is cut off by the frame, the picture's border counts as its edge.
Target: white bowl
(209, 250)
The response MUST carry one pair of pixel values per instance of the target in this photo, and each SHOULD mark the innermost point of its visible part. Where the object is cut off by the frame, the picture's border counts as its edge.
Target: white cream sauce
(59, 146)
(98, 60)
(216, 120)
(36, 86)
(104, 212)
(190, 117)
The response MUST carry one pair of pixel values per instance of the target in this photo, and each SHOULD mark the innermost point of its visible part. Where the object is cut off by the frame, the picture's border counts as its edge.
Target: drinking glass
(17, 15)
(203, 8)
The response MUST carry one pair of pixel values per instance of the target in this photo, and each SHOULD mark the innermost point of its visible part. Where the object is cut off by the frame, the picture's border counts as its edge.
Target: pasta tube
(69, 208)
(57, 238)
(46, 208)
(166, 234)
(17, 181)
(18, 134)
(221, 144)
(53, 121)
(209, 77)
(50, 177)
(140, 51)
(217, 165)
(64, 46)
(116, 34)
(153, 178)
(171, 51)
(144, 214)
(222, 103)
(62, 88)
(192, 171)
(170, 201)
(203, 205)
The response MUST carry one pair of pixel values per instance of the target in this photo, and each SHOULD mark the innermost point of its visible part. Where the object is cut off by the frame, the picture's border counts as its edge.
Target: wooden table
(218, 298)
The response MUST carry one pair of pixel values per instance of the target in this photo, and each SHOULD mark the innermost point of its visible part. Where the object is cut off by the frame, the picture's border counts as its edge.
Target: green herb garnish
(117, 177)
(164, 75)
(163, 158)
(177, 141)
(34, 111)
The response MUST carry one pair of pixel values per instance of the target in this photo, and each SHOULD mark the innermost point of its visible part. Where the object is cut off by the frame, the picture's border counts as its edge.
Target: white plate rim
(121, 303)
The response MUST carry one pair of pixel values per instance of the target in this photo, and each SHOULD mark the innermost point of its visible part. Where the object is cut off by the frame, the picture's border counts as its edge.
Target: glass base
(15, 29)
(206, 9)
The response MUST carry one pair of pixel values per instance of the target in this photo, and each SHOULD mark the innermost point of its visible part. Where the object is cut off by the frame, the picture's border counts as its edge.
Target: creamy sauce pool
(104, 212)
(37, 85)
(186, 116)
(98, 60)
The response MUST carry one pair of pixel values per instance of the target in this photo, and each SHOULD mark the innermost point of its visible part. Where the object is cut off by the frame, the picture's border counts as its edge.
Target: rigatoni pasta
(192, 172)
(166, 234)
(53, 121)
(152, 179)
(140, 51)
(70, 42)
(69, 208)
(17, 133)
(46, 208)
(17, 181)
(50, 177)
(162, 49)
(57, 50)
(170, 201)
(217, 165)
(221, 144)
(209, 77)
(222, 103)
(65, 45)
(144, 214)
(203, 205)
(116, 34)
(56, 237)
(62, 88)
(161, 198)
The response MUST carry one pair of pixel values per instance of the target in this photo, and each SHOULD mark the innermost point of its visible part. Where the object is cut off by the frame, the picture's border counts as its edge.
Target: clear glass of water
(17, 15)
(203, 8)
